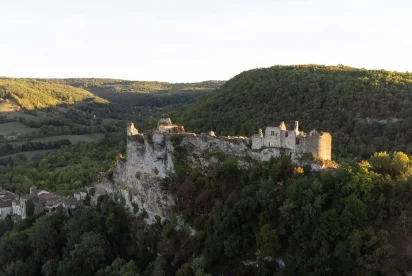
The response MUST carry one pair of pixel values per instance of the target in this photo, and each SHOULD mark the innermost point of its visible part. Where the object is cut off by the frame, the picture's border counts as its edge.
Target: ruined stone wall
(257, 142)
(320, 145)
(325, 146)
(131, 130)
(289, 140)
(274, 140)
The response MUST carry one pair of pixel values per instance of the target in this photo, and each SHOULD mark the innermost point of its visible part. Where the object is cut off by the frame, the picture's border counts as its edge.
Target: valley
(210, 193)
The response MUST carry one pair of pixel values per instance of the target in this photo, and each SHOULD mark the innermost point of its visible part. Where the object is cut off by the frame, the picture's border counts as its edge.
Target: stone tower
(131, 130)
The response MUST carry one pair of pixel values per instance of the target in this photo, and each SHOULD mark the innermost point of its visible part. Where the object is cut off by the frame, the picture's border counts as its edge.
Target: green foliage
(32, 94)
(397, 164)
(144, 93)
(355, 105)
(341, 221)
(63, 170)
(86, 244)
(119, 267)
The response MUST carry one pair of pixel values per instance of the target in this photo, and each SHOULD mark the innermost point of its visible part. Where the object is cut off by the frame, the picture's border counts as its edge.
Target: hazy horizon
(192, 42)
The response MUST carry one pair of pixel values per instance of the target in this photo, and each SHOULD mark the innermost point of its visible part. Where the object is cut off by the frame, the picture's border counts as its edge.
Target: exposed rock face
(138, 180)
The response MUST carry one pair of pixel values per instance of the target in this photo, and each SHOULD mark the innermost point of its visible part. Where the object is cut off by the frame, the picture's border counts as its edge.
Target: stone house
(80, 194)
(41, 201)
(6, 203)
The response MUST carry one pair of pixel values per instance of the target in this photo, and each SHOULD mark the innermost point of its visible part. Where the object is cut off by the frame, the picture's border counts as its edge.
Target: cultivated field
(11, 110)
(73, 138)
(15, 127)
(30, 155)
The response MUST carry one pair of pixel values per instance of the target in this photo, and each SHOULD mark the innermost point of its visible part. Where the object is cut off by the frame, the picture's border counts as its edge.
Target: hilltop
(365, 110)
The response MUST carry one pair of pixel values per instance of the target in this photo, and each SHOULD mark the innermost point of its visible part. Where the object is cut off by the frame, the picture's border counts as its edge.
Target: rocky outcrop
(138, 180)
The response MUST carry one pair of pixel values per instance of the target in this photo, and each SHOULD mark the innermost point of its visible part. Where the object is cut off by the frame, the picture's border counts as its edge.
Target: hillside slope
(143, 93)
(33, 94)
(365, 110)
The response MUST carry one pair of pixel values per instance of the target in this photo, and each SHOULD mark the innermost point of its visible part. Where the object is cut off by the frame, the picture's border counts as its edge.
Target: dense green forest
(271, 219)
(354, 220)
(275, 218)
(63, 170)
(93, 241)
(365, 110)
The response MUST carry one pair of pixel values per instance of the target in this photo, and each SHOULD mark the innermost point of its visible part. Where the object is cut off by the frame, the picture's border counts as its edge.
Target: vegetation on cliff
(269, 219)
(365, 110)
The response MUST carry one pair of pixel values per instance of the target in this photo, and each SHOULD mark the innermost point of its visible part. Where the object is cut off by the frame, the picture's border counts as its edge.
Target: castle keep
(318, 143)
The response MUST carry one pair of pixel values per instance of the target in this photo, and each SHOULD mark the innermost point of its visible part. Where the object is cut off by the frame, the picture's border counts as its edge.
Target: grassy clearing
(8, 128)
(24, 115)
(12, 110)
(29, 154)
(6, 106)
(73, 138)
(108, 121)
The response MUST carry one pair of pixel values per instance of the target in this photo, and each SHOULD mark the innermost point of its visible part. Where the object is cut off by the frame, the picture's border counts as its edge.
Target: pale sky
(190, 40)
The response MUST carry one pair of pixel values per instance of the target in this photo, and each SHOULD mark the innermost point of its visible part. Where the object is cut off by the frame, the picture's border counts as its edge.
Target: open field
(6, 106)
(29, 154)
(11, 110)
(108, 121)
(8, 128)
(73, 138)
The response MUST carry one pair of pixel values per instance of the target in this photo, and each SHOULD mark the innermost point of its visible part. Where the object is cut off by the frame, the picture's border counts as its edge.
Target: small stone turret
(131, 130)
(33, 190)
(297, 126)
(260, 132)
(165, 125)
(164, 121)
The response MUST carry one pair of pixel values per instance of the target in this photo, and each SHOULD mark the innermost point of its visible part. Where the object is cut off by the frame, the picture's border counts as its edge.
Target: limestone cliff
(138, 179)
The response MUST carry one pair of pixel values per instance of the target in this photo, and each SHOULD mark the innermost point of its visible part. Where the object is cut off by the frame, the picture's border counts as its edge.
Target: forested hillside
(143, 93)
(365, 110)
(268, 219)
(33, 94)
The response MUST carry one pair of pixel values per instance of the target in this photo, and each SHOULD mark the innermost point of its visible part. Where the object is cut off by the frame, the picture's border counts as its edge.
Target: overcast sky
(190, 40)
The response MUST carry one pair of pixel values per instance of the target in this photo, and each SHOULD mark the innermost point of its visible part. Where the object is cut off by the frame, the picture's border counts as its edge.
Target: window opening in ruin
(286, 134)
(297, 141)
(269, 144)
(272, 133)
(276, 135)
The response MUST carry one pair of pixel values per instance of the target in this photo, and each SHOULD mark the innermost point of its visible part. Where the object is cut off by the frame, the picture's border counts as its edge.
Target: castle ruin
(318, 143)
(131, 130)
(165, 126)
